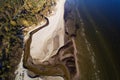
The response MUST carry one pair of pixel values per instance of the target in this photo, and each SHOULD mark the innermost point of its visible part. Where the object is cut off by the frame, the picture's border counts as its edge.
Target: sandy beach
(42, 46)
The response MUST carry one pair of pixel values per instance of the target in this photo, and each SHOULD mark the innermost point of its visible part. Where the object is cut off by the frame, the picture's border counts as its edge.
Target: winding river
(46, 68)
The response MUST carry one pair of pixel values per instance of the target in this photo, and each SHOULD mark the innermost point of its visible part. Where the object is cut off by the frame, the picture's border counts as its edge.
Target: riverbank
(54, 24)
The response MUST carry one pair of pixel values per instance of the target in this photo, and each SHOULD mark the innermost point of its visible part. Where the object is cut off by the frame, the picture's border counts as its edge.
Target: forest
(15, 16)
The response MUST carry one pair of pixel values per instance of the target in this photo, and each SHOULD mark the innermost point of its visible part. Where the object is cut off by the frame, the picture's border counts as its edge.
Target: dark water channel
(98, 40)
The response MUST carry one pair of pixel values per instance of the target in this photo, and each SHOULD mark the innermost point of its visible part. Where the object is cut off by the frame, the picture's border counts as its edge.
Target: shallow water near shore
(102, 31)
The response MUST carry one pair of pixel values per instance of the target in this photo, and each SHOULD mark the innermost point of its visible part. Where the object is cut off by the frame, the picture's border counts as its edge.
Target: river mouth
(96, 61)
